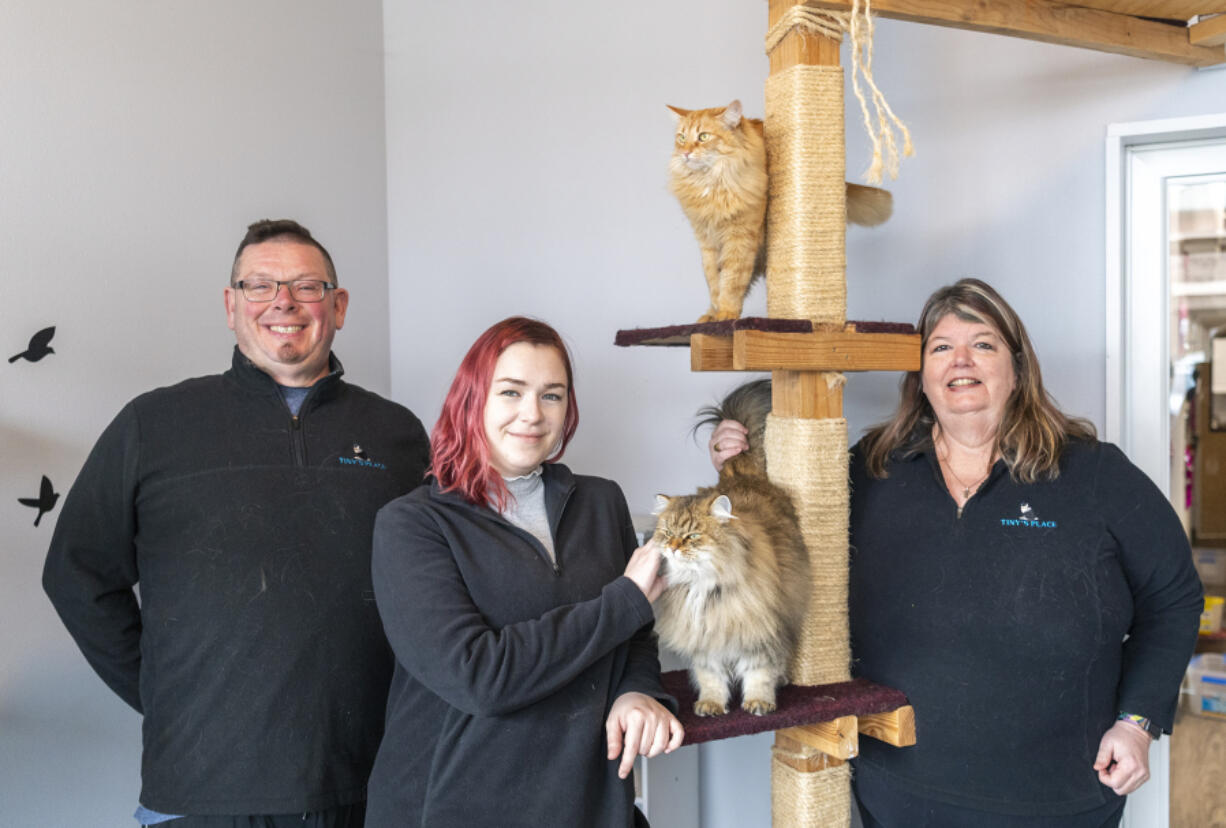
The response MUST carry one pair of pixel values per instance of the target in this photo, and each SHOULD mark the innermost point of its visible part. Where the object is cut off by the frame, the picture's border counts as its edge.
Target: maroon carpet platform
(679, 335)
(798, 705)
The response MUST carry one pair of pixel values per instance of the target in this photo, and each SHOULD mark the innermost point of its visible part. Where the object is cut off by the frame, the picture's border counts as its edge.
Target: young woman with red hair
(519, 611)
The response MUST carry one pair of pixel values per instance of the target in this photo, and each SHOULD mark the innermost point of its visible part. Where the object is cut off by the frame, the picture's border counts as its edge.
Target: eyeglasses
(265, 290)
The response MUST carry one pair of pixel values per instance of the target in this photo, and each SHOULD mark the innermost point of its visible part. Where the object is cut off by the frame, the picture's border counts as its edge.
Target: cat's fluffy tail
(748, 404)
(868, 206)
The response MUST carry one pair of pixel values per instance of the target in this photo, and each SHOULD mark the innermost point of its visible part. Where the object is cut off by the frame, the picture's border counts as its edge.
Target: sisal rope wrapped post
(808, 458)
(811, 799)
(807, 455)
(806, 435)
(807, 211)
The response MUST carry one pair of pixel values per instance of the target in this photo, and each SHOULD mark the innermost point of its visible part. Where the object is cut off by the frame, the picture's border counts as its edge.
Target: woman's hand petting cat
(644, 570)
(638, 724)
(1123, 758)
(728, 439)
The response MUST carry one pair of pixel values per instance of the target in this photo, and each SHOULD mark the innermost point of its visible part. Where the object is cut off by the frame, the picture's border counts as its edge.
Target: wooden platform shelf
(760, 344)
(827, 718)
(815, 727)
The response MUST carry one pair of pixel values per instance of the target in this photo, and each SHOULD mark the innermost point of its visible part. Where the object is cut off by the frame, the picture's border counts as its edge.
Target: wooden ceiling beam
(1209, 32)
(1052, 22)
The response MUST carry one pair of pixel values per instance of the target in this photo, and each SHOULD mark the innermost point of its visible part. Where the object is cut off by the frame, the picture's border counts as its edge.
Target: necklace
(966, 490)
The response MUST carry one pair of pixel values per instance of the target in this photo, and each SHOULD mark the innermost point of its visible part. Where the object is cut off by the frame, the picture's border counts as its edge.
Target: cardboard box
(1211, 616)
(1210, 566)
(1206, 688)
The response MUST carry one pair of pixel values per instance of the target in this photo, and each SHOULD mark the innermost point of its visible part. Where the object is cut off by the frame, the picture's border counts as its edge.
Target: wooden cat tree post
(806, 435)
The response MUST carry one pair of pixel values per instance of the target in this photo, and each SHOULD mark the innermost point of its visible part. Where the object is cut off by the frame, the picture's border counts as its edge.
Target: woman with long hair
(1027, 587)
(519, 609)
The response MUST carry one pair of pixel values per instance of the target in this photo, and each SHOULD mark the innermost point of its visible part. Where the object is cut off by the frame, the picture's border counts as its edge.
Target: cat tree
(807, 345)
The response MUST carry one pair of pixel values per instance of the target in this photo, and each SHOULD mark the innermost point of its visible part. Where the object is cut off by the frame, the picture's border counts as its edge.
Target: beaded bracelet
(1142, 722)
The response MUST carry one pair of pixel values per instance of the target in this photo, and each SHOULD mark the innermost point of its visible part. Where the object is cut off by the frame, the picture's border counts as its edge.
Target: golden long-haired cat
(737, 570)
(718, 173)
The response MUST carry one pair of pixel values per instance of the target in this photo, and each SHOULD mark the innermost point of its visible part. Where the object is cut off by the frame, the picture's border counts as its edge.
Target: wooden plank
(1052, 22)
(1211, 32)
(806, 394)
(839, 737)
(799, 756)
(1198, 771)
(710, 353)
(799, 48)
(825, 351)
(897, 727)
(1164, 9)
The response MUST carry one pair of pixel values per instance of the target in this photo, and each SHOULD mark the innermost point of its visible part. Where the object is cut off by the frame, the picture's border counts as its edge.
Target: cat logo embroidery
(1028, 518)
(360, 458)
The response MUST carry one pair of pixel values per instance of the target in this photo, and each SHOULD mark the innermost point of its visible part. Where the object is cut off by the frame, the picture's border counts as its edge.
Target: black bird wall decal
(45, 502)
(40, 346)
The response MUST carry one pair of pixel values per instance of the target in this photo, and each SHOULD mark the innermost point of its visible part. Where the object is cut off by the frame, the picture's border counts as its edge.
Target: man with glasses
(243, 505)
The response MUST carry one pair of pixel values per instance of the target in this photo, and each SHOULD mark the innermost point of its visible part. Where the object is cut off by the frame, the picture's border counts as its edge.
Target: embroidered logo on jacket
(1028, 519)
(359, 458)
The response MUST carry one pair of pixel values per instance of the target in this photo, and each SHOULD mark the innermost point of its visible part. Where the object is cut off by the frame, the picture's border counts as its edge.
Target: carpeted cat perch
(806, 435)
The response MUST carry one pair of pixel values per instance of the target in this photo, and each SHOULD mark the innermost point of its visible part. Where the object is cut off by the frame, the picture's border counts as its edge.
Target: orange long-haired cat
(718, 173)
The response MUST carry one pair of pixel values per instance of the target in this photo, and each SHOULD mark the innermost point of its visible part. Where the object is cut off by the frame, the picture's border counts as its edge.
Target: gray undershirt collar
(526, 508)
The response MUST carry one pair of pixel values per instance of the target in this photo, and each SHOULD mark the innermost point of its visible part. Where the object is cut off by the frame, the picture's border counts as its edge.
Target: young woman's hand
(638, 724)
(644, 570)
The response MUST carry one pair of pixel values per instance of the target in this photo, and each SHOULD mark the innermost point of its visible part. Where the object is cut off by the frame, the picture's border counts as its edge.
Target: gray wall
(138, 141)
(527, 150)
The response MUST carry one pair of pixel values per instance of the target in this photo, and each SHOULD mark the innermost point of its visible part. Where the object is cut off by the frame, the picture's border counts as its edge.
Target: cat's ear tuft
(732, 114)
(721, 509)
(661, 504)
(678, 111)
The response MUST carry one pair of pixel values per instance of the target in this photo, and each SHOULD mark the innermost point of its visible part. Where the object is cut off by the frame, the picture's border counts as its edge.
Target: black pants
(884, 806)
(348, 816)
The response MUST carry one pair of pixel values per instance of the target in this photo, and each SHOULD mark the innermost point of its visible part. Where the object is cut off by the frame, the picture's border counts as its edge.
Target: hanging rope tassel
(858, 23)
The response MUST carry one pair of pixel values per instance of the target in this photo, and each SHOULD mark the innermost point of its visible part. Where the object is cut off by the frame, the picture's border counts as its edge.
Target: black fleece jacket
(255, 652)
(1006, 627)
(507, 665)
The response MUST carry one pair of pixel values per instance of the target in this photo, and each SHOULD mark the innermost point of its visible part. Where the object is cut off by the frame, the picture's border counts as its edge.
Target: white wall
(527, 149)
(138, 141)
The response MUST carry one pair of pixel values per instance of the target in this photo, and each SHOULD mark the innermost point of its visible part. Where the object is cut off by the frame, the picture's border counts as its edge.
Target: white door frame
(1140, 157)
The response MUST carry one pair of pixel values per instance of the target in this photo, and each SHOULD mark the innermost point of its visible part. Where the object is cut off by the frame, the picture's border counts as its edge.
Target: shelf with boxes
(1205, 685)
(1211, 567)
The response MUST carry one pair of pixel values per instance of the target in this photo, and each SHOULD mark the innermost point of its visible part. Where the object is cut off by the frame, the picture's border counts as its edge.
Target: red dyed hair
(459, 450)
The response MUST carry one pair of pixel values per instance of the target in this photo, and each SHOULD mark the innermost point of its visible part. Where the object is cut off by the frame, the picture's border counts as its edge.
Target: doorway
(1166, 300)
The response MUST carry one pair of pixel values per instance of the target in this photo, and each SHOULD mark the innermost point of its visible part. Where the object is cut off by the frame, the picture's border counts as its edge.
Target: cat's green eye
(680, 138)
(693, 536)
(705, 136)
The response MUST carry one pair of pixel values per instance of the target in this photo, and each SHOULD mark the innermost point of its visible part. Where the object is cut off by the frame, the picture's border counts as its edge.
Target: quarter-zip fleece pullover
(1006, 627)
(255, 652)
(506, 662)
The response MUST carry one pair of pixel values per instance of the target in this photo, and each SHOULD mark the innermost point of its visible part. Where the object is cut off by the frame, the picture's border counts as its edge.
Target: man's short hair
(285, 229)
